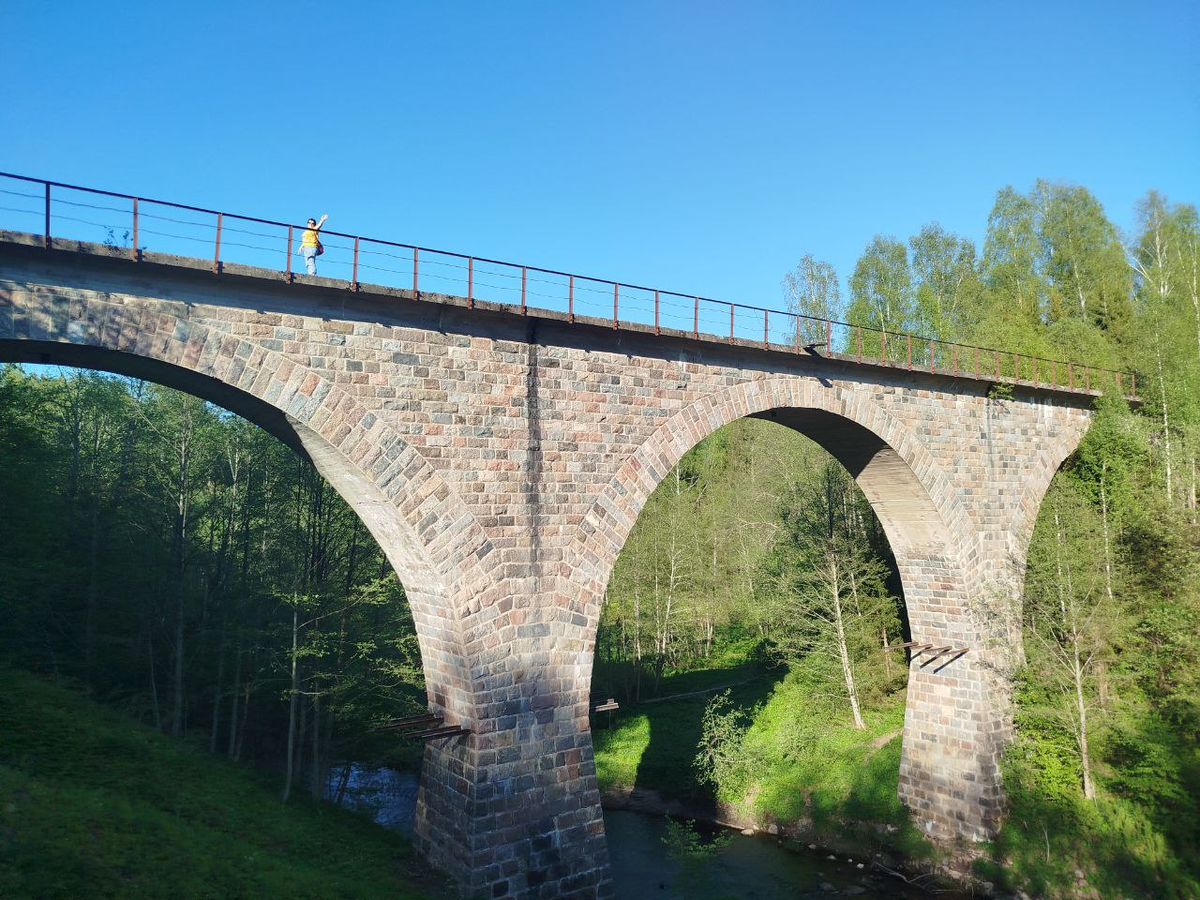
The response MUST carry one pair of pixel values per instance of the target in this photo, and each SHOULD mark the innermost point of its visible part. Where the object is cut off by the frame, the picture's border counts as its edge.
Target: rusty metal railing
(140, 224)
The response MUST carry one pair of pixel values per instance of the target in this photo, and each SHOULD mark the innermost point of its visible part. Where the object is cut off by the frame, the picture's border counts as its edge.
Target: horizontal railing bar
(691, 298)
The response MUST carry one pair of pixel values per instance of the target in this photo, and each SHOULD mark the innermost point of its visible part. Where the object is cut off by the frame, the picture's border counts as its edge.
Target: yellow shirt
(309, 238)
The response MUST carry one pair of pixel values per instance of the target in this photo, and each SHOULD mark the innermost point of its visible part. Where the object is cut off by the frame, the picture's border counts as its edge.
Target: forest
(172, 560)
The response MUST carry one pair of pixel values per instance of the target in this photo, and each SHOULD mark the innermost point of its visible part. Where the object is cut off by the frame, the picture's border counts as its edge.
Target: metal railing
(67, 212)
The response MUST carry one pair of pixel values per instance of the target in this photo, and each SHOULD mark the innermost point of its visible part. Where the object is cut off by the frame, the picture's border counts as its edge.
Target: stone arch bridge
(501, 457)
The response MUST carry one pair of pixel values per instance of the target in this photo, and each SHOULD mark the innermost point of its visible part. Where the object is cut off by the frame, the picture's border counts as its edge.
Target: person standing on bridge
(310, 244)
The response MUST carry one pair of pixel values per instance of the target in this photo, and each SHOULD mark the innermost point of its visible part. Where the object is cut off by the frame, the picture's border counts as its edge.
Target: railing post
(1016, 367)
(858, 354)
(46, 230)
(571, 298)
(1054, 373)
(696, 318)
(1087, 379)
(289, 254)
(1133, 384)
(882, 345)
(996, 364)
(932, 357)
(766, 328)
(136, 255)
(217, 249)
(354, 274)
(616, 290)
(731, 309)
(1035, 371)
(1071, 375)
(908, 342)
(976, 362)
(656, 328)
(797, 334)
(1120, 385)
(416, 253)
(829, 337)
(954, 355)
(523, 278)
(470, 282)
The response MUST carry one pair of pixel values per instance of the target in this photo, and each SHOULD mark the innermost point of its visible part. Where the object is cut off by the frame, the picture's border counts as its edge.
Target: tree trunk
(153, 681)
(93, 590)
(1162, 386)
(241, 731)
(843, 650)
(234, 695)
(1089, 789)
(217, 695)
(1108, 584)
(291, 735)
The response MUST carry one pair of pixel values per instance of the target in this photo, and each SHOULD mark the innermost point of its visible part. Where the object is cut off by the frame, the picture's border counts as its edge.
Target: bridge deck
(973, 365)
(236, 245)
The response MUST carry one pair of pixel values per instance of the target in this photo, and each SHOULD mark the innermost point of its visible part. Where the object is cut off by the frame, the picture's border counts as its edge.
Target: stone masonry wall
(501, 461)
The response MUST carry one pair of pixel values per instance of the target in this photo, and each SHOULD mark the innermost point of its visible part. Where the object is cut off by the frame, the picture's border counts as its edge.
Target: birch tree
(827, 584)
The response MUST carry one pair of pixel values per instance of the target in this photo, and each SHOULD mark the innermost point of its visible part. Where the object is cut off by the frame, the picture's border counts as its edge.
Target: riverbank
(801, 768)
(92, 804)
(794, 766)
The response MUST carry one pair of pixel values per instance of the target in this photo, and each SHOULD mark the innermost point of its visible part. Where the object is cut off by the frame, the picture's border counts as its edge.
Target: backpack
(320, 248)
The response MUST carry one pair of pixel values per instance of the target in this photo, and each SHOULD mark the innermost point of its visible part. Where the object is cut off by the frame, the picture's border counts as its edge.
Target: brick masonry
(501, 460)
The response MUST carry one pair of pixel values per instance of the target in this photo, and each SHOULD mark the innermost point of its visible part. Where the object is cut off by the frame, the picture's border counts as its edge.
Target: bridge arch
(906, 486)
(957, 718)
(400, 498)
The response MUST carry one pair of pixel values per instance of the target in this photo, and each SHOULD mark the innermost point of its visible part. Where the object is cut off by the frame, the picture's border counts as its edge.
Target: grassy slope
(1054, 843)
(95, 805)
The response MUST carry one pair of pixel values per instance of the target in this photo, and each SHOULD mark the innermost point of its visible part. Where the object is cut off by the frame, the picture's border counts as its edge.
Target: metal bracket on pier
(427, 726)
(606, 706)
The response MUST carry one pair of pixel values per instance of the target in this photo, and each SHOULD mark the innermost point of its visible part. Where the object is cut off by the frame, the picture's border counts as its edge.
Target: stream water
(750, 867)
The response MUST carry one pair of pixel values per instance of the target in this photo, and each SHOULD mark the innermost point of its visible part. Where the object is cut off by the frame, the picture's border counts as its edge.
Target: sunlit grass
(620, 751)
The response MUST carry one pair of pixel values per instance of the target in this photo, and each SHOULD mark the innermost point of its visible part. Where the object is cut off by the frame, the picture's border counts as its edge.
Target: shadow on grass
(652, 745)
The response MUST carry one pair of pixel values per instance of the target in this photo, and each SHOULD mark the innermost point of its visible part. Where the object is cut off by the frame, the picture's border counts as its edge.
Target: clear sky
(701, 147)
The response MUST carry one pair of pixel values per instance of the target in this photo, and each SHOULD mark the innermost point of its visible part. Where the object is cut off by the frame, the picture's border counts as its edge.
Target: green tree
(827, 584)
(811, 290)
(882, 296)
(946, 273)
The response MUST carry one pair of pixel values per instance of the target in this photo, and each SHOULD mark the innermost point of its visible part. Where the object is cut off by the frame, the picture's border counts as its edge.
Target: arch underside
(901, 502)
(921, 542)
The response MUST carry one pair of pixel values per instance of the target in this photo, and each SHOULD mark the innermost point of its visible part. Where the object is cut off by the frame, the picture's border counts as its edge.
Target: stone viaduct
(501, 460)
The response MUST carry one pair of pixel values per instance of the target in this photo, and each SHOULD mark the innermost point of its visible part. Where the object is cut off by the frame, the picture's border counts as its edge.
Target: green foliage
(653, 745)
(684, 844)
(720, 760)
(881, 294)
(94, 805)
(1056, 844)
(1111, 685)
(693, 853)
(1112, 613)
(161, 547)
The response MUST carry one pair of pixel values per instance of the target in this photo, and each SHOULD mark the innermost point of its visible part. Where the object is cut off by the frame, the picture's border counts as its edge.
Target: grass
(653, 744)
(95, 805)
(1055, 843)
(804, 762)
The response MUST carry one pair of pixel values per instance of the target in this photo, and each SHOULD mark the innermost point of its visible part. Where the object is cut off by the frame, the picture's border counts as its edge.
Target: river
(749, 867)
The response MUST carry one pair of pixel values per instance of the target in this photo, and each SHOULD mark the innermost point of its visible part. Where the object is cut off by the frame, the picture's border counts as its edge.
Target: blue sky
(700, 147)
